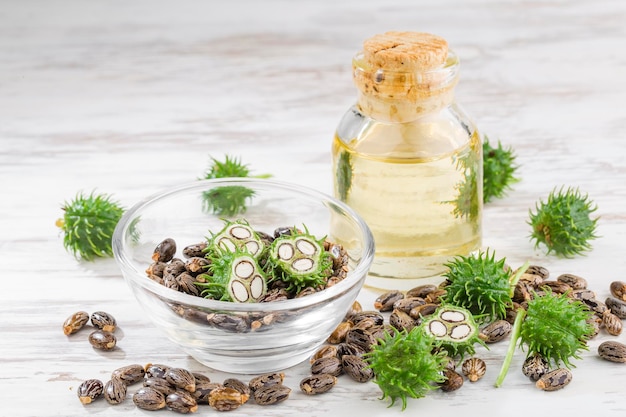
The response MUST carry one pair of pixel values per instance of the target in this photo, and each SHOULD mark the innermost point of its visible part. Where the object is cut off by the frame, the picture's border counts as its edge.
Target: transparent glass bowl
(220, 334)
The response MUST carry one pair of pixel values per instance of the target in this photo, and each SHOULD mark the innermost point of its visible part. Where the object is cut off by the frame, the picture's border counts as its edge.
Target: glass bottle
(408, 159)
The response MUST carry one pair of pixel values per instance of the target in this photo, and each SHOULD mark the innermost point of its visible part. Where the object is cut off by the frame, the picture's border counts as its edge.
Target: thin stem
(515, 334)
(515, 278)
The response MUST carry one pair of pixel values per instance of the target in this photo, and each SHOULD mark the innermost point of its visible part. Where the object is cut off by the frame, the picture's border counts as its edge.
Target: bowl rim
(352, 278)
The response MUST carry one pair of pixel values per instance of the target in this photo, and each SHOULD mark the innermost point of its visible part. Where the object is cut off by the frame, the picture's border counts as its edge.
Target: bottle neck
(401, 110)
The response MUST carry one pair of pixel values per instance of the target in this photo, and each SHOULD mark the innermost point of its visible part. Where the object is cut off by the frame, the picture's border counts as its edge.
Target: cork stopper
(403, 74)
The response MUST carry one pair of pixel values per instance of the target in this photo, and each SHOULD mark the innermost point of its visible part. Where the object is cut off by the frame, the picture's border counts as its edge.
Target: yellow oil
(419, 188)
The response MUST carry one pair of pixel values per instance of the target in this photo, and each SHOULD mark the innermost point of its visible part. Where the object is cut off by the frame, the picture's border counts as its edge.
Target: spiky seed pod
(235, 235)
(499, 170)
(556, 327)
(481, 284)
(405, 366)
(88, 223)
(563, 223)
(300, 260)
(454, 329)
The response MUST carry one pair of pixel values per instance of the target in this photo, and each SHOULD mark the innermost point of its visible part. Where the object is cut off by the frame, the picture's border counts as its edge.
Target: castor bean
(115, 391)
(225, 399)
(408, 303)
(181, 378)
(240, 386)
(326, 351)
(196, 265)
(203, 390)
(618, 290)
(148, 398)
(266, 380)
(423, 310)
(421, 291)
(401, 320)
(129, 374)
(155, 271)
(160, 384)
(103, 340)
(349, 349)
(155, 370)
(495, 331)
(611, 323)
(574, 281)
(584, 294)
(103, 321)
(195, 250)
(531, 280)
(612, 351)
(271, 394)
(375, 317)
(357, 368)
(535, 366)
(362, 338)
(543, 272)
(200, 377)
(186, 283)
(164, 251)
(453, 380)
(385, 301)
(228, 322)
(554, 380)
(595, 305)
(330, 366)
(339, 334)
(175, 267)
(355, 307)
(181, 402)
(317, 384)
(75, 322)
(557, 287)
(522, 292)
(474, 369)
(169, 281)
(617, 307)
(89, 390)
(436, 296)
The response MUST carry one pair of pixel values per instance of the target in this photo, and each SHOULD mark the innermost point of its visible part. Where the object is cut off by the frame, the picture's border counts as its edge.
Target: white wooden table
(127, 98)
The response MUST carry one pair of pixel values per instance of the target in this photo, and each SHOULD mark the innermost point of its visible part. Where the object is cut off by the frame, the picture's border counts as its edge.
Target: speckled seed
(330, 366)
(535, 366)
(584, 294)
(228, 322)
(240, 386)
(385, 301)
(554, 380)
(195, 250)
(522, 292)
(129, 374)
(595, 321)
(401, 320)
(266, 380)
(474, 369)
(407, 303)
(89, 390)
(196, 264)
(225, 399)
(538, 270)
(149, 399)
(612, 351)
(186, 283)
(595, 305)
(181, 402)
(317, 384)
(436, 296)
(423, 310)
(357, 368)
(355, 307)
(557, 287)
(203, 390)
(75, 322)
(326, 351)
(201, 377)
(612, 323)
(617, 307)
(496, 331)
(103, 321)
(115, 391)
(159, 384)
(618, 290)
(574, 281)
(339, 334)
(349, 349)
(532, 280)
(421, 290)
(181, 378)
(155, 370)
(453, 381)
(164, 251)
(374, 317)
(103, 340)
(364, 339)
(272, 394)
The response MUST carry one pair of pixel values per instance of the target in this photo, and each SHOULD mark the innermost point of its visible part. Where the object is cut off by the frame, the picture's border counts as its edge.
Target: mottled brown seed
(355, 307)
(421, 291)
(103, 321)
(164, 251)
(175, 267)
(181, 378)
(75, 322)
(423, 310)
(228, 322)
(330, 366)
(535, 366)
(196, 265)
(181, 402)
(595, 305)
(272, 394)
(522, 292)
(385, 301)
(618, 290)
(266, 380)
(339, 334)
(574, 281)
(225, 399)
(115, 391)
(474, 369)
(595, 321)
(401, 320)
(203, 390)
(201, 377)
(496, 331)
(584, 294)
(617, 307)
(129, 374)
(186, 283)
(557, 287)
(453, 381)
(374, 316)
(102, 340)
(317, 384)
(554, 380)
(357, 368)
(195, 250)
(149, 399)
(89, 390)
(406, 304)
(155, 270)
(364, 339)
(436, 296)
(612, 351)
(349, 349)
(155, 370)
(240, 386)
(159, 384)
(538, 270)
(326, 351)
(532, 280)
(612, 324)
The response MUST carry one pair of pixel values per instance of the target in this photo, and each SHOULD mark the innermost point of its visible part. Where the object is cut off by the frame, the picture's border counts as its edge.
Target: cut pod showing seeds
(237, 235)
(454, 329)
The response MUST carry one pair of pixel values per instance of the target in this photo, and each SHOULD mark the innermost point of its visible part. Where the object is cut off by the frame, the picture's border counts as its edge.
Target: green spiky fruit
(237, 234)
(455, 329)
(88, 224)
(563, 223)
(499, 170)
(481, 284)
(300, 260)
(406, 365)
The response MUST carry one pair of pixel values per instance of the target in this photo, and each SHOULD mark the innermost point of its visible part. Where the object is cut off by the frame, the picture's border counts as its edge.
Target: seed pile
(103, 337)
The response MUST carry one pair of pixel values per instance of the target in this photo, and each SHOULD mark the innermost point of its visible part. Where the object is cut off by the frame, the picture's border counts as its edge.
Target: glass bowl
(245, 338)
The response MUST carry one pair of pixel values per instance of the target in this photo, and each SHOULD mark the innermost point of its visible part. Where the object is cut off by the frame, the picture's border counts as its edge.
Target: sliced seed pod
(349, 349)
(195, 250)
(400, 320)
(554, 380)
(618, 290)
(574, 281)
(182, 402)
(339, 334)
(149, 399)
(612, 324)
(89, 390)
(159, 384)
(240, 386)
(453, 381)
(129, 374)
(495, 331)
(421, 291)
(326, 351)
(612, 351)
(75, 322)
(181, 378)
(266, 380)
(357, 368)
(535, 366)
(203, 390)
(538, 270)
(557, 287)
(156, 370)
(385, 301)
(271, 394)
(103, 321)
(317, 384)
(164, 251)
(330, 366)
(474, 369)
(225, 399)
(617, 307)
(115, 391)
(103, 340)
(408, 303)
